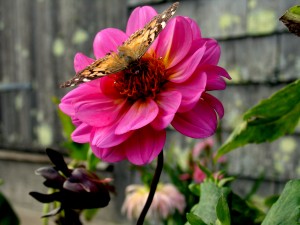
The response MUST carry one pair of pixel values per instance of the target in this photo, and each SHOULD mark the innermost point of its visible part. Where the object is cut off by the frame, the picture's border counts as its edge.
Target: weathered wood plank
(289, 55)
(16, 67)
(38, 41)
(251, 59)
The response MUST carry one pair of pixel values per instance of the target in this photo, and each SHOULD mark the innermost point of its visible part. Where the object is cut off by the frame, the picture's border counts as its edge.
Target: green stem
(159, 167)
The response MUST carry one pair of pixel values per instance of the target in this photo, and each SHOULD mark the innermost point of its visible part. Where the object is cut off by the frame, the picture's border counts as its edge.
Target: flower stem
(159, 167)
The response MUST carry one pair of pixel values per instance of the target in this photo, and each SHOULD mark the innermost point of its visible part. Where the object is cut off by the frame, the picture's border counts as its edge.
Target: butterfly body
(129, 52)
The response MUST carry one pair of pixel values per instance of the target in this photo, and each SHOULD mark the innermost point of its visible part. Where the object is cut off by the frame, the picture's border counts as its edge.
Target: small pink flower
(124, 115)
(166, 200)
(201, 145)
(198, 174)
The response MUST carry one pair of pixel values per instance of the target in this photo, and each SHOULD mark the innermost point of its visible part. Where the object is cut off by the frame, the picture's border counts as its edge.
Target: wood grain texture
(38, 41)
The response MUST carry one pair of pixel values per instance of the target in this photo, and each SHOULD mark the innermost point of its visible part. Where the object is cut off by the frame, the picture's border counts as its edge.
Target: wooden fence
(39, 38)
(38, 42)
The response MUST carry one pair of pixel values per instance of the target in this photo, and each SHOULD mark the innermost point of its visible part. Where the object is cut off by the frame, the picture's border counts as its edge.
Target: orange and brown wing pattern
(109, 64)
(140, 41)
(131, 50)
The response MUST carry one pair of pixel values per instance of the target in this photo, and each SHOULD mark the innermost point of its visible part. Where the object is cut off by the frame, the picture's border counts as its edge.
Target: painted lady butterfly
(130, 51)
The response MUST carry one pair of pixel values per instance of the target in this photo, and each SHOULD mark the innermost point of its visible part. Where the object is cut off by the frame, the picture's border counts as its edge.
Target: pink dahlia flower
(124, 115)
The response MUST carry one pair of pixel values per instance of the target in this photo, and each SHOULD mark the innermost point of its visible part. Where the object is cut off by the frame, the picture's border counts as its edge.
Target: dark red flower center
(144, 78)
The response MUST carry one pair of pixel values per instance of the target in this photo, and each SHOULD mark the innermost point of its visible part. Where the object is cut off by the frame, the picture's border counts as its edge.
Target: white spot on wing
(152, 37)
(86, 80)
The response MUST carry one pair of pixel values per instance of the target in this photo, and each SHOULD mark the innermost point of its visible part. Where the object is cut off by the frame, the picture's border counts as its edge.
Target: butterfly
(127, 53)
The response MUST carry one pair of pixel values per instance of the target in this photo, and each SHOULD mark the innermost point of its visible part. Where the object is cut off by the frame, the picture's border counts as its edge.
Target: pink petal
(108, 40)
(76, 121)
(195, 28)
(174, 41)
(214, 77)
(81, 61)
(168, 103)
(144, 145)
(183, 70)
(191, 90)
(67, 102)
(141, 148)
(215, 82)
(212, 53)
(114, 154)
(214, 103)
(105, 137)
(139, 17)
(82, 133)
(200, 122)
(67, 108)
(201, 146)
(140, 114)
(107, 86)
(98, 110)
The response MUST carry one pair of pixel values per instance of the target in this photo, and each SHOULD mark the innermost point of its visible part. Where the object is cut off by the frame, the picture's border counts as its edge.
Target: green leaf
(89, 214)
(195, 189)
(209, 196)
(270, 200)
(267, 121)
(92, 160)
(286, 211)
(7, 214)
(205, 170)
(291, 19)
(194, 219)
(255, 186)
(223, 212)
(77, 151)
(65, 120)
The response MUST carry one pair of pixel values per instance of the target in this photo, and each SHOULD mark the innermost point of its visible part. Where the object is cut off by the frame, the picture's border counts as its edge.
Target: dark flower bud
(53, 178)
(76, 189)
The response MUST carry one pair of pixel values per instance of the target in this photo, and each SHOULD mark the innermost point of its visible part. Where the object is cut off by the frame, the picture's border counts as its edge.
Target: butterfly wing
(131, 50)
(140, 41)
(109, 64)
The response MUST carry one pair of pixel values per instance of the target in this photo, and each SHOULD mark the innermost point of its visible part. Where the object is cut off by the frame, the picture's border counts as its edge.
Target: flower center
(144, 78)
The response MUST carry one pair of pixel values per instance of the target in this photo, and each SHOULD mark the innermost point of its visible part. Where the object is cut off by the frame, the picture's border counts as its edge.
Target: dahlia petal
(168, 103)
(108, 40)
(174, 41)
(82, 133)
(81, 61)
(212, 53)
(215, 82)
(140, 114)
(106, 85)
(195, 28)
(214, 77)
(98, 110)
(67, 108)
(191, 90)
(114, 154)
(214, 103)
(76, 121)
(200, 122)
(105, 137)
(144, 145)
(67, 102)
(186, 68)
(139, 17)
